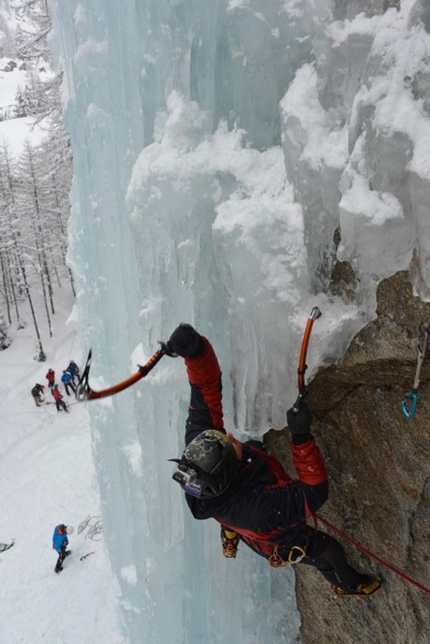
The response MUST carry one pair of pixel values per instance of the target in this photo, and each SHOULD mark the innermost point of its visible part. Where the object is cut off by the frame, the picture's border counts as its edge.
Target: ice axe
(84, 391)
(303, 388)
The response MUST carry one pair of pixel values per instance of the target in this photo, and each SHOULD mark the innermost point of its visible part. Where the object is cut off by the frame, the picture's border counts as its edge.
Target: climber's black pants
(326, 554)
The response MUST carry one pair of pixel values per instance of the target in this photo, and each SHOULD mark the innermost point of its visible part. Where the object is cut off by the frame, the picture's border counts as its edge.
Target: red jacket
(50, 376)
(56, 394)
(263, 504)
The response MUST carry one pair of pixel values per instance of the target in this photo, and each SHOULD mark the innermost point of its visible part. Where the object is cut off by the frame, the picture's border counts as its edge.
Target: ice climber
(60, 543)
(246, 490)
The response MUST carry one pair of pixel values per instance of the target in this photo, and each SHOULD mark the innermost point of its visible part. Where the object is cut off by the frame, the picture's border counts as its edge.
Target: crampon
(365, 589)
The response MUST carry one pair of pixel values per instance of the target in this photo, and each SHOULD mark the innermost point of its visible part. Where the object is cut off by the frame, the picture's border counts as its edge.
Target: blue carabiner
(413, 396)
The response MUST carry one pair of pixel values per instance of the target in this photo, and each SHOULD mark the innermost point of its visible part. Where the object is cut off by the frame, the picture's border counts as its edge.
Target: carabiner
(413, 397)
(296, 554)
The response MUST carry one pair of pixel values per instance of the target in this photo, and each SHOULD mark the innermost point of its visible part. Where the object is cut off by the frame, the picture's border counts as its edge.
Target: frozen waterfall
(227, 153)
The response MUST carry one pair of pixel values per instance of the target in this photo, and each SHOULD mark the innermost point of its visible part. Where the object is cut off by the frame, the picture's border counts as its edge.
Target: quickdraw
(409, 402)
(84, 391)
(303, 389)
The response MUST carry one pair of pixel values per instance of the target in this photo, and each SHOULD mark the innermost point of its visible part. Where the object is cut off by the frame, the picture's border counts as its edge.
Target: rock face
(379, 473)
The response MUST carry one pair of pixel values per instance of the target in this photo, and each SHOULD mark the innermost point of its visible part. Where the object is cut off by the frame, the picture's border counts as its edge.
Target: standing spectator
(37, 393)
(60, 543)
(50, 376)
(58, 399)
(73, 369)
(66, 379)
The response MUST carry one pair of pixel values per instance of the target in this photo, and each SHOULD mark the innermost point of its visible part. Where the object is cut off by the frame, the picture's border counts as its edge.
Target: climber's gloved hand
(186, 342)
(299, 422)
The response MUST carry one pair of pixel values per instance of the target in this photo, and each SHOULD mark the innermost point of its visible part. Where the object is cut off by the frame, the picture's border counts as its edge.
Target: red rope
(370, 554)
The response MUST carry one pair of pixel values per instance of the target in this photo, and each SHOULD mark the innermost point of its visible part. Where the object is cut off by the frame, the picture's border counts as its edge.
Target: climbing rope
(387, 565)
(409, 402)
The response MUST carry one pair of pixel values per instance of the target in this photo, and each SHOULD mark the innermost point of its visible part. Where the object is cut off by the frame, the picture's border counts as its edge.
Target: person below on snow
(37, 393)
(245, 489)
(66, 379)
(73, 369)
(50, 376)
(60, 543)
(58, 399)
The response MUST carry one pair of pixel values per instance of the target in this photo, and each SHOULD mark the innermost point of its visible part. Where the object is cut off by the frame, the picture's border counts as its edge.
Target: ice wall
(122, 93)
(219, 146)
(356, 131)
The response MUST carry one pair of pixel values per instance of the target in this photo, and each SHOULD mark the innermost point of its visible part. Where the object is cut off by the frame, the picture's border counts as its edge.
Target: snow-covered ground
(15, 131)
(47, 477)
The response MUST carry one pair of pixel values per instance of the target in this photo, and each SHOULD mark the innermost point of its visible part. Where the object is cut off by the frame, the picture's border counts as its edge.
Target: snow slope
(47, 477)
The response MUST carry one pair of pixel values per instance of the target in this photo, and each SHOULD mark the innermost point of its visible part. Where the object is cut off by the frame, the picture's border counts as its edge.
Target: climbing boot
(368, 585)
(230, 541)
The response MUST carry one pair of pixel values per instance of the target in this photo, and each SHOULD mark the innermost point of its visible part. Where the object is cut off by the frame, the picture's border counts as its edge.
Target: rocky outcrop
(378, 466)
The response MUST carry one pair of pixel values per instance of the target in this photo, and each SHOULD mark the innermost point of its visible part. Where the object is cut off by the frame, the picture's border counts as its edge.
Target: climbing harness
(409, 402)
(303, 389)
(84, 391)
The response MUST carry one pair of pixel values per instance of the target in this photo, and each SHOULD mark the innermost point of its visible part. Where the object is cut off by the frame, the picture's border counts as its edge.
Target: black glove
(186, 342)
(300, 422)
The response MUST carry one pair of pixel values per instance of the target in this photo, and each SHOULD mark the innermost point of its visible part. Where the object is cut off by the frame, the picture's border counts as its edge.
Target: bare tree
(34, 189)
(7, 184)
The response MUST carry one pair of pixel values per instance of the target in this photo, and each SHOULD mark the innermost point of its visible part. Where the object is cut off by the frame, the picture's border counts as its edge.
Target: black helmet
(208, 465)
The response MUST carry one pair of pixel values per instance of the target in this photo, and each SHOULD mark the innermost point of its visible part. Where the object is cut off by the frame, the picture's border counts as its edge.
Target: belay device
(409, 402)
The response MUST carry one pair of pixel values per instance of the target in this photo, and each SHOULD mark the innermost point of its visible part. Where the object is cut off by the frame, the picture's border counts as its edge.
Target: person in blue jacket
(66, 379)
(60, 543)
